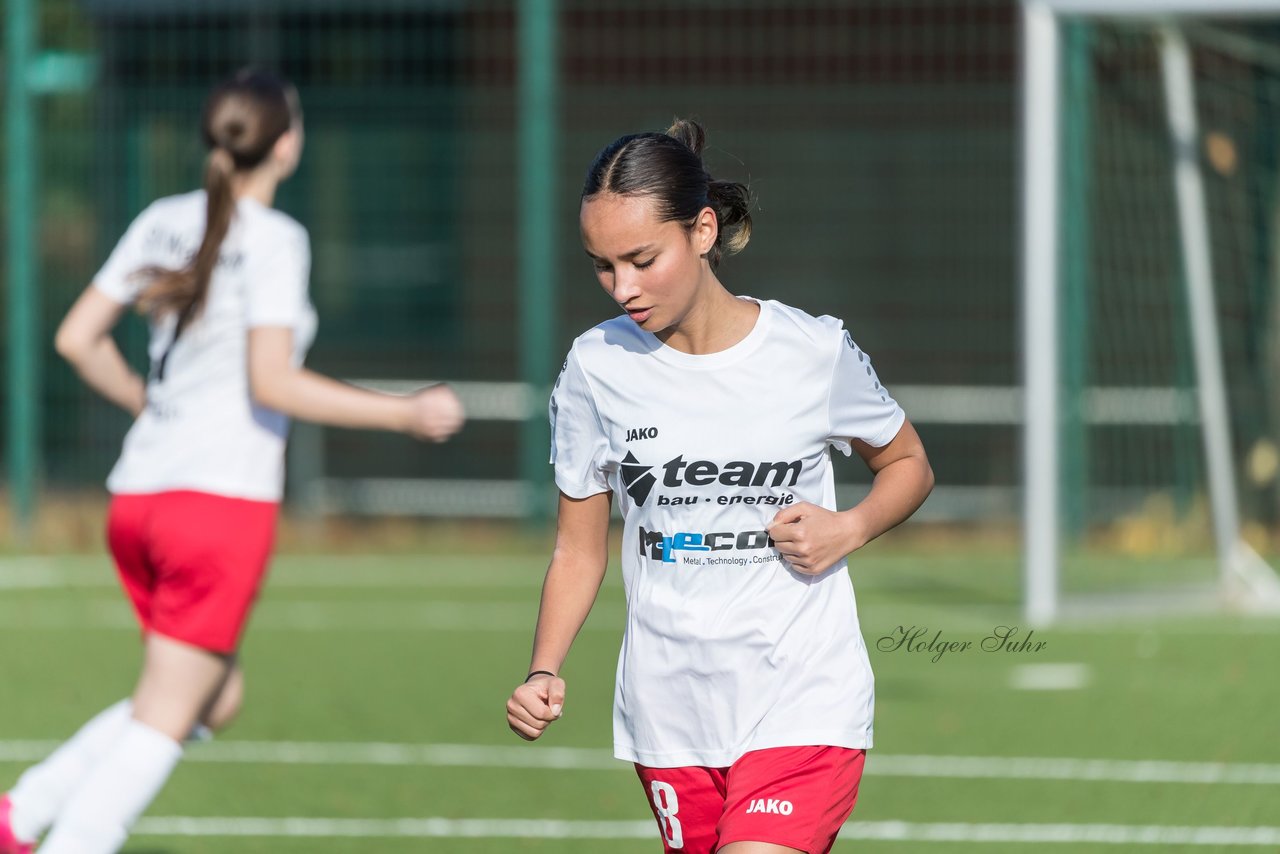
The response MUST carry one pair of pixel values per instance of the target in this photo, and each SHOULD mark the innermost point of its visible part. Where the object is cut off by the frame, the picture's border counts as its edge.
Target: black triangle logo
(637, 478)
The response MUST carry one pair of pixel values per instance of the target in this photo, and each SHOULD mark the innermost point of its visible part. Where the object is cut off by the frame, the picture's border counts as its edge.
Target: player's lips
(639, 315)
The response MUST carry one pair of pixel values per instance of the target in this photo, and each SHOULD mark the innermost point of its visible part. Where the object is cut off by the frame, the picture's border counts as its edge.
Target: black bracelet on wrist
(539, 673)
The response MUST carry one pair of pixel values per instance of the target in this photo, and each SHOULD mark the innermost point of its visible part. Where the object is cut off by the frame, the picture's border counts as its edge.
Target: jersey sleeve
(277, 280)
(859, 406)
(578, 442)
(117, 277)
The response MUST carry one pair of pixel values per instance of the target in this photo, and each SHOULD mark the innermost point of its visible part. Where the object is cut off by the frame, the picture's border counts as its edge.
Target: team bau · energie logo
(640, 480)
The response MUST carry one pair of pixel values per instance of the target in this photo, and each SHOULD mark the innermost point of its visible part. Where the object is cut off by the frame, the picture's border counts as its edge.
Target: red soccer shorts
(793, 796)
(192, 563)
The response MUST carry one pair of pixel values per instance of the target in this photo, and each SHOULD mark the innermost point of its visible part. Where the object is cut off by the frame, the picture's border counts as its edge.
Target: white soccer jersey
(726, 649)
(201, 429)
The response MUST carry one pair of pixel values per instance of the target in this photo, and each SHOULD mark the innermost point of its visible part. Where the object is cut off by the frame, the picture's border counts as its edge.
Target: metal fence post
(22, 226)
(536, 117)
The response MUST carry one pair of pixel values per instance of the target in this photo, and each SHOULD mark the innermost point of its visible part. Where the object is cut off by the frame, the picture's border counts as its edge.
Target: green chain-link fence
(878, 135)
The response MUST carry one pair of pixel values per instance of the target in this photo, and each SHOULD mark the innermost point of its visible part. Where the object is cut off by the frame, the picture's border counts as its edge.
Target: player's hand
(534, 705)
(813, 538)
(435, 414)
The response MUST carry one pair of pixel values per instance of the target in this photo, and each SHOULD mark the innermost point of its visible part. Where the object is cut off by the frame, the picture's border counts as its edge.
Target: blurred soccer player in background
(222, 277)
(744, 692)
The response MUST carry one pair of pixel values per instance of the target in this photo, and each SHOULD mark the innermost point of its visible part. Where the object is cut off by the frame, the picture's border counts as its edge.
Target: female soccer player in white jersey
(223, 279)
(744, 694)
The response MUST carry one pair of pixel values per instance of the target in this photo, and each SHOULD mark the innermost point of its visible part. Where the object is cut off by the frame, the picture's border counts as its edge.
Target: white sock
(43, 789)
(99, 813)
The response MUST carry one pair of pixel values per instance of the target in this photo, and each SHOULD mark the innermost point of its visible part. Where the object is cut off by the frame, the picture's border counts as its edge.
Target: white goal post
(1246, 581)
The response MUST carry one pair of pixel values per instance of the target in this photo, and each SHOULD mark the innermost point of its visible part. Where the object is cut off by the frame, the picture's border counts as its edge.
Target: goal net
(1152, 276)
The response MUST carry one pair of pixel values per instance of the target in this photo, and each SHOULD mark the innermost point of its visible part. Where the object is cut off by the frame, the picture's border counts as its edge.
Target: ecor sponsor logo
(658, 546)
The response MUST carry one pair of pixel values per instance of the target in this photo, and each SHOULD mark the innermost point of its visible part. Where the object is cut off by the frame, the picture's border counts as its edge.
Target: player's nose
(625, 287)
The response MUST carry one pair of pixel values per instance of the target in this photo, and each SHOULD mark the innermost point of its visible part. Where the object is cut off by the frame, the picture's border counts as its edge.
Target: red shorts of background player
(191, 562)
(793, 796)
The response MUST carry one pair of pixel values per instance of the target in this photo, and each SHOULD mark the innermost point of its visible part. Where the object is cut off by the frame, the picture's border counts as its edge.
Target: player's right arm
(84, 340)
(276, 300)
(432, 414)
(577, 569)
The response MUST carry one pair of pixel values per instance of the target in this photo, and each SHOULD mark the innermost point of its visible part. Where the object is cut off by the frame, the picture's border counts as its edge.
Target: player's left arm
(813, 538)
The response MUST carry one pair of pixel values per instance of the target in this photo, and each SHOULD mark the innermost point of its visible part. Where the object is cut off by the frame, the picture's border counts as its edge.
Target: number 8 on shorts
(666, 804)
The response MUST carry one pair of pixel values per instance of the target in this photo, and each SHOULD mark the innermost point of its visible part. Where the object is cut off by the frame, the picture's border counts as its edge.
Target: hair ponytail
(668, 168)
(732, 204)
(243, 119)
(690, 133)
(183, 291)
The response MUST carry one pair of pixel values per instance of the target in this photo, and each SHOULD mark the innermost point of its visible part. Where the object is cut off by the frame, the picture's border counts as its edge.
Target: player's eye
(644, 265)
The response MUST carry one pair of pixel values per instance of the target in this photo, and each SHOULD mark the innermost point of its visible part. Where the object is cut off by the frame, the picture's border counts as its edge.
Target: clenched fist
(534, 705)
(813, 538)
(435, 414)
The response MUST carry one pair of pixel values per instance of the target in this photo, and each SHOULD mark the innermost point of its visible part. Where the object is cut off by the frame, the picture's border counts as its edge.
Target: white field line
(383, 615)
(41, 574)
(429, 615)
(405, 828)
(591, 759)
(899, 831)
(444, 571)
(1056, 676)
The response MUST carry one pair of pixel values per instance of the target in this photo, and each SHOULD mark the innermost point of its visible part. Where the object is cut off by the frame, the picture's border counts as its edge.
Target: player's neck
(256, 185)
(715, 323)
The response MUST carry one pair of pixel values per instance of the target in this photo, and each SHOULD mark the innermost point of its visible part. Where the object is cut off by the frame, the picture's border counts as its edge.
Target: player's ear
(287, 150)
(705, 230)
